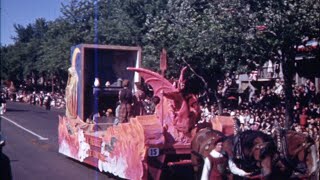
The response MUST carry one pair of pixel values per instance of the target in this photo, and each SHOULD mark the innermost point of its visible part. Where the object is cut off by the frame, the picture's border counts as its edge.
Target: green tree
(11, 66)
(211, 35)
(281, 27)
(201, 35)
(55, 50)
(20, 59)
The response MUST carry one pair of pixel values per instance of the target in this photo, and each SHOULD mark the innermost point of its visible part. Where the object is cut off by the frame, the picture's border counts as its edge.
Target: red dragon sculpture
(178, 112)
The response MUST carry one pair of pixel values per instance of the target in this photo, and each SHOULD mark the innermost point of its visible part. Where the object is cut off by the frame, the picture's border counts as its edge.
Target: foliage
(212, 37)
(282, 26)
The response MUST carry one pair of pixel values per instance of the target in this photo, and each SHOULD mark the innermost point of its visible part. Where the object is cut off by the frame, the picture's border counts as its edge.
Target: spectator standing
(33, 97)
(303, 118)
(1, 107)
(47, 101)
(3, 103)
(278, 88)
(41, 98)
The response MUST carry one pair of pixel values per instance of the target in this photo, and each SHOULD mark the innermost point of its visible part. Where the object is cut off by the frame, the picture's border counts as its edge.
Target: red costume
(218, 168)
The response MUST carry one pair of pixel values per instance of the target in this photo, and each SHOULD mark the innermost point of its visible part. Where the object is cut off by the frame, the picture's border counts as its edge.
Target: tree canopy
(211, 37)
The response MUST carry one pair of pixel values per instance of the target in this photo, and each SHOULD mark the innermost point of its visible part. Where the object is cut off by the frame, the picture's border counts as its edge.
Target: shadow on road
(110, 176)
(17, 110)
(5, 167)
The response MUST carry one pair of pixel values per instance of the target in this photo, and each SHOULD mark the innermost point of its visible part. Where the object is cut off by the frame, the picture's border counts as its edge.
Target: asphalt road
(31, 134)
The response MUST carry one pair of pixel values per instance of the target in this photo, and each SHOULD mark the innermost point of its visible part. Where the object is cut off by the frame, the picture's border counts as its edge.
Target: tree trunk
(52, 84)
(288, 74)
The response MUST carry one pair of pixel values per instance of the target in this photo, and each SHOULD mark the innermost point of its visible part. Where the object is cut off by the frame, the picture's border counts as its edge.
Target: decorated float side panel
(74, 84)
(119, 150)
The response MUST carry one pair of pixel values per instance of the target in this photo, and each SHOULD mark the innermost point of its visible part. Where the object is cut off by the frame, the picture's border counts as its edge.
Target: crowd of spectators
(41, 98)
(257, 109)
(264, 108)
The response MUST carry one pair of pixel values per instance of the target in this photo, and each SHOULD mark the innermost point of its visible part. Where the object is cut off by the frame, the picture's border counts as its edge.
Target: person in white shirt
(216, 163)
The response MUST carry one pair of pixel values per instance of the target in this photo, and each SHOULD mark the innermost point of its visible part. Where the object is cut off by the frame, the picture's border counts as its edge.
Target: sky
(24, 12)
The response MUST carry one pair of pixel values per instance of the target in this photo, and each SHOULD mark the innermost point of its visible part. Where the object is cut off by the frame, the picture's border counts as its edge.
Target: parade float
(141, 148)
(147, 146)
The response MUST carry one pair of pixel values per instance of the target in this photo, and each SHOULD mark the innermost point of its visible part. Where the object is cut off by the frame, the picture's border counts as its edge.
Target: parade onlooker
(1, 106)
(47, 101)
(303, 118)
(33, 98)
(41, 98)
(268, 106)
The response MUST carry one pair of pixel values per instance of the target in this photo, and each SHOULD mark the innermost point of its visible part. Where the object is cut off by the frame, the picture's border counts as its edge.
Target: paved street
(31, 135)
